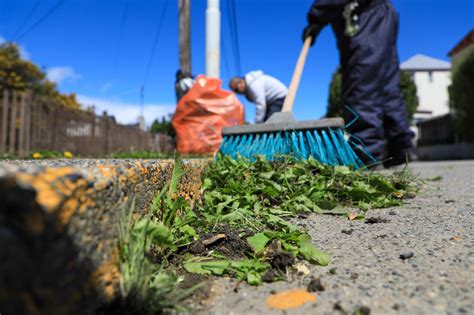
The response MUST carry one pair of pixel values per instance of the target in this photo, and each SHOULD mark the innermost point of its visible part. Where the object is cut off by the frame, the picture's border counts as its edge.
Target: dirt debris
(227, 241)
(316, 285)
(197, 247)
(362, 310)
(281, 261)
(233, 246)
(374, 220)
(347, 231)
(270, 276)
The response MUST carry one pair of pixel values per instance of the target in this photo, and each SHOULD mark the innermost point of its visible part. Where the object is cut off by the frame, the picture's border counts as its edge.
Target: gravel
(406, 255)
(368, 273)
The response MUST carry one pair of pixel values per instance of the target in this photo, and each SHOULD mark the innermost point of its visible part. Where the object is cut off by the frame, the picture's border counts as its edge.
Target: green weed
(148, 287)
(260, 196)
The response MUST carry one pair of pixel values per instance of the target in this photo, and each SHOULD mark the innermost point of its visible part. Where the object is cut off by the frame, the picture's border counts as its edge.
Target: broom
(281, 134)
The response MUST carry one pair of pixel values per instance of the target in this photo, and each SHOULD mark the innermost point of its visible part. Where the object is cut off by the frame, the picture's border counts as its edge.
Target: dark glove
(311, 30)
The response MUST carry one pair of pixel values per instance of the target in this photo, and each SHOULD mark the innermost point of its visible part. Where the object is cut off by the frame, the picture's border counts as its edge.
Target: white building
(432, 78)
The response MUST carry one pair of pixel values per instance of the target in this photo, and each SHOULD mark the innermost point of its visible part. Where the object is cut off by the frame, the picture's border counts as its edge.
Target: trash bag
(202, 113)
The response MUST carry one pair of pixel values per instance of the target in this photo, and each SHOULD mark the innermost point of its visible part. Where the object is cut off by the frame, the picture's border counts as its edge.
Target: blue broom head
(328, 146)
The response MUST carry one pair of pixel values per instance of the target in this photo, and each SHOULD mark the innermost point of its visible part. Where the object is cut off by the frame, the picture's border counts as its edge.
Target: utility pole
(213, 38)
(141, 118)
(142, 99)
(184, 35)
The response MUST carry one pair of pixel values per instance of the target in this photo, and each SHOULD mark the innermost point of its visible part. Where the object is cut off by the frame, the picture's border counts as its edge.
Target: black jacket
(323, 12)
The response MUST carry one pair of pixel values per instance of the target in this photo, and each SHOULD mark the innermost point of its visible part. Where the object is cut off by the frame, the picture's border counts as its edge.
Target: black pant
(273, 107)
(371, 80)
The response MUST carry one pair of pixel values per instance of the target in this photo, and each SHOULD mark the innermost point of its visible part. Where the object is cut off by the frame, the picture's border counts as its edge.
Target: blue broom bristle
(326, 146)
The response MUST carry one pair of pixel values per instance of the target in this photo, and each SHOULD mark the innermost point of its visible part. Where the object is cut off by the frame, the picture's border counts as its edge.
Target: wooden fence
(30, 123)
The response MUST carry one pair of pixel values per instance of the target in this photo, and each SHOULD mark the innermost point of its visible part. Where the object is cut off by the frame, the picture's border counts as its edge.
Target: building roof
(424, 63)
(466, 41)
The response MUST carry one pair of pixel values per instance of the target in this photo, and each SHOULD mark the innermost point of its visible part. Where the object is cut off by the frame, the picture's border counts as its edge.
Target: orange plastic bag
(202, 113)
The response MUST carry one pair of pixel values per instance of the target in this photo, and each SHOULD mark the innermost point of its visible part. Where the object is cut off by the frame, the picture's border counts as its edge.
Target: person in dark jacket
(366, 32)
(183, 83)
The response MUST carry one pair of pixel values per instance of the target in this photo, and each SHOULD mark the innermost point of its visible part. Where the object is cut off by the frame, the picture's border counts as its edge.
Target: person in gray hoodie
(265, 91)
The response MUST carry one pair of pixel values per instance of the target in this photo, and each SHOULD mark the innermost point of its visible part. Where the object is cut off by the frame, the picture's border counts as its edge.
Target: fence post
(21, 124)
(106, 133)
(92, 128)
(3, 140)
(13, 123)
(27, 124)
(54, 134)
(33, 123)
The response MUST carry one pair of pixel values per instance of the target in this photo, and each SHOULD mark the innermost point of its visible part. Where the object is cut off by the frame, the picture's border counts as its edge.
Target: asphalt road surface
(372, 271)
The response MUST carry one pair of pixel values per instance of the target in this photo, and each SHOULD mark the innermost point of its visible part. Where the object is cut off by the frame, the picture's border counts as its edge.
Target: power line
(152, 54)
(155, 42)
(119, 42)
(27, 18)
(232, 45)
(41, 19)
(142, 100)
(226, 61)
(236, 37)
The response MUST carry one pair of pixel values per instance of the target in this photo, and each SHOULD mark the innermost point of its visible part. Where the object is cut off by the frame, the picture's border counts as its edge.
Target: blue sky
(84, 46)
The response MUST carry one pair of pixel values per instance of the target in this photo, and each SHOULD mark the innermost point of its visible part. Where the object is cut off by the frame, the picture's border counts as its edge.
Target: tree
(461, 94)
(336, 107)
(408, 88)
(48, 90)
(15, 73)
(19, 74)
(164, 126)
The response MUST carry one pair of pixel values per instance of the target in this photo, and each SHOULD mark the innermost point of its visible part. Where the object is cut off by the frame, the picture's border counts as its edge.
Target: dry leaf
(352, 216)
(213, 239)
(302, 269)
(456, 238)
(290, 299)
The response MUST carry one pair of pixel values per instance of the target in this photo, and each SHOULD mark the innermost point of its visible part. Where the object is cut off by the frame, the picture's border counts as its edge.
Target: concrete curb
(58, 228)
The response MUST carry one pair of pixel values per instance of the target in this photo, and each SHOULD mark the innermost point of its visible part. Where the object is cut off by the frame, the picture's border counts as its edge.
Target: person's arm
(257, 90)
(322, 12)
(260, 109)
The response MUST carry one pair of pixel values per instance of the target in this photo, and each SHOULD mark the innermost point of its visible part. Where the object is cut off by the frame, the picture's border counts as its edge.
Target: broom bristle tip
(328, 146)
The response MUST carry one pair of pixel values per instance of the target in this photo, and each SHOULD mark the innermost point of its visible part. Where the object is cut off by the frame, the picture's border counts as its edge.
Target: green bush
(461, 94)
(336, 107)
(408, 88)
(165, 126)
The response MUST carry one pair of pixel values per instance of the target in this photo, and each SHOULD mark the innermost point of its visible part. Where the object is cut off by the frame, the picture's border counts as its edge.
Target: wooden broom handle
(295, 80)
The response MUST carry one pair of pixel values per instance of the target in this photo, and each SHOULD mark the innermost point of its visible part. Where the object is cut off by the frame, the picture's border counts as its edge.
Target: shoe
(398, 159)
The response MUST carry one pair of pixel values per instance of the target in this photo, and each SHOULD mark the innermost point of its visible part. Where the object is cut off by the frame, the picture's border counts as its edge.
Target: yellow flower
(36, 155)
(398, 194)
(68, 154)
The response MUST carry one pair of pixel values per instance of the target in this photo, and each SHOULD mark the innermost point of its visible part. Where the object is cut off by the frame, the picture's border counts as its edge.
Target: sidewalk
(437, 227)
(78, 202)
